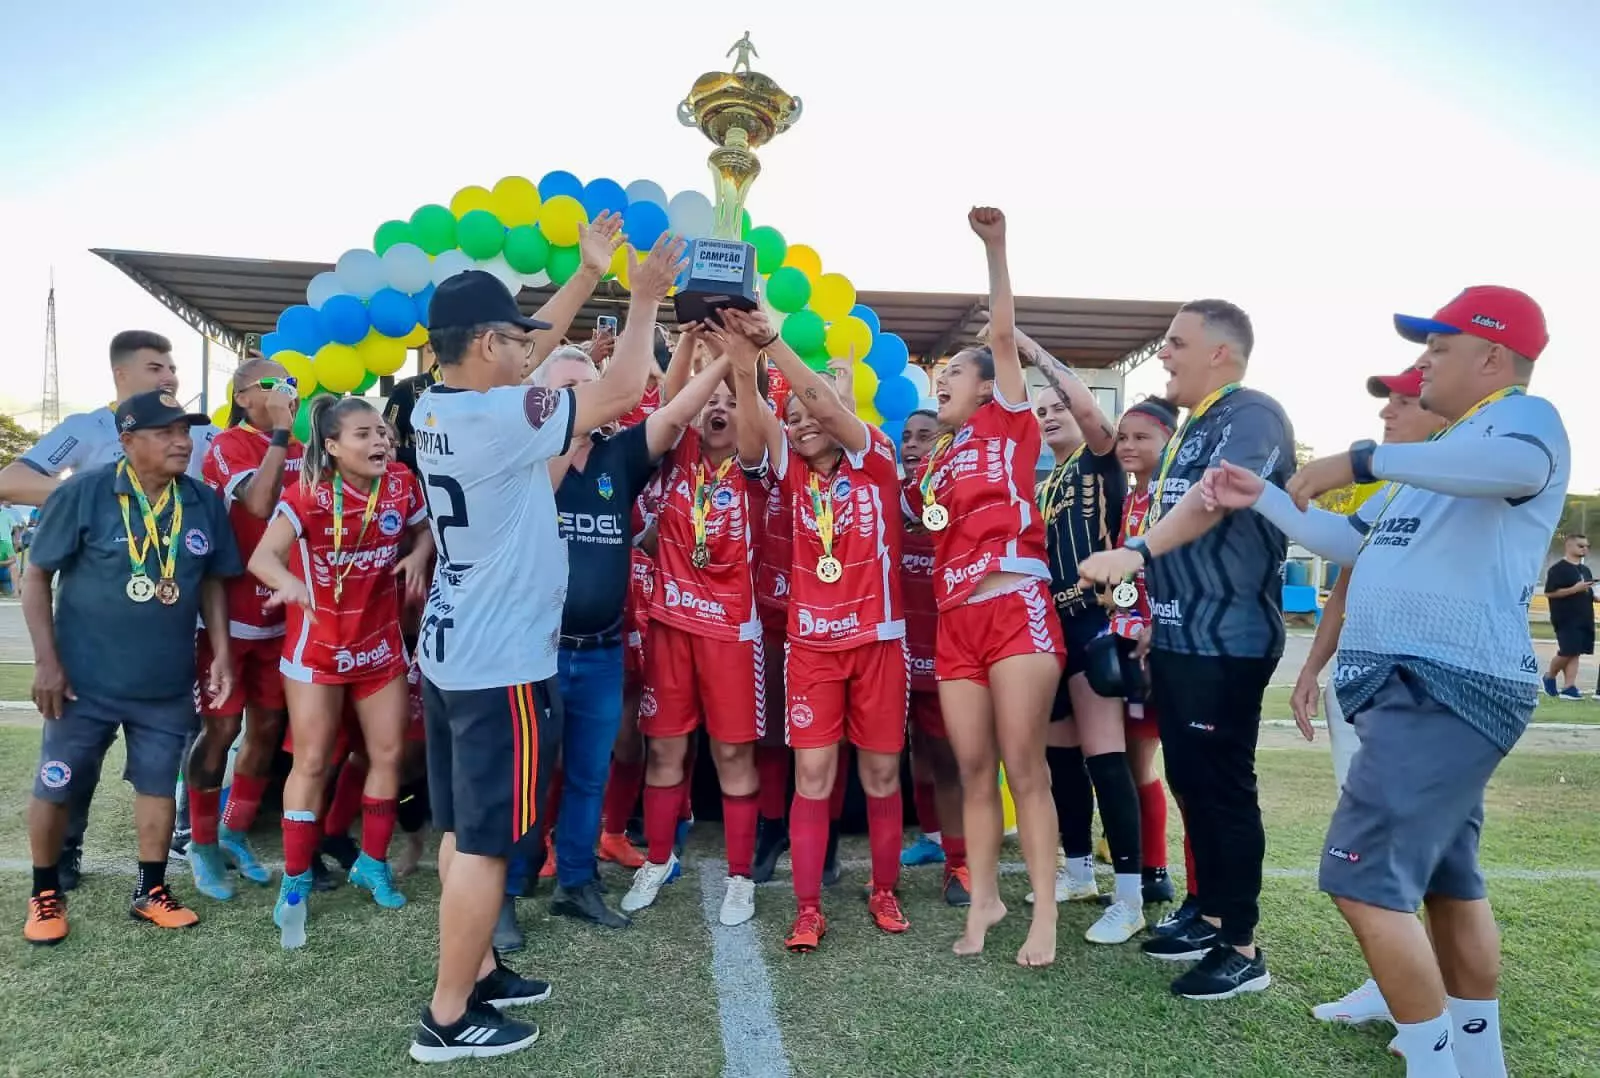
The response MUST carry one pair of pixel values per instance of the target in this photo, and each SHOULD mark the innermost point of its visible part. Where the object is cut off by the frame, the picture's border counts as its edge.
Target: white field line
(752, 1044)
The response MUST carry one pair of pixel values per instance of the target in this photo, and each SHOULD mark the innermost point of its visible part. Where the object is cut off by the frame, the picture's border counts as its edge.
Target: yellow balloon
(869, 415)
(560, 218)
(515, 200)
(622, 264)
(298, 366)
(219, 418)
(381, 355)
(849, 338)
(471, 198)
(832, 296)
(338, 368)
(864, 380)
(807, 261)
(416, 338)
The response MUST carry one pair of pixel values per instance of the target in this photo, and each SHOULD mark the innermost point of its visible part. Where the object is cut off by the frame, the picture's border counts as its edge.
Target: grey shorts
(1411, 812)
(73, 746)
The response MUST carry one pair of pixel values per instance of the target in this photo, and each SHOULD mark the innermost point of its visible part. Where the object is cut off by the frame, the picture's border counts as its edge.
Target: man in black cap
(140, 550)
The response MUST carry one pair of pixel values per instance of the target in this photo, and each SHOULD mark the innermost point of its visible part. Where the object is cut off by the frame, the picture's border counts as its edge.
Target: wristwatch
(1138, 546)
(1361, 460)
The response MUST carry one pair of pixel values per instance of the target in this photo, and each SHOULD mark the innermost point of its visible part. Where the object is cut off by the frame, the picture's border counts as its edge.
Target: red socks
(622, 793)
(661, 807)
(885, 831)
(203, 810)
(955, 850)
(808, 846)
(739, 832)
(841, 783)
(1153, 824)
(378, 818)
(300, 841)
(772, 764)
(927, 807)
(244, 801)
(346, 800)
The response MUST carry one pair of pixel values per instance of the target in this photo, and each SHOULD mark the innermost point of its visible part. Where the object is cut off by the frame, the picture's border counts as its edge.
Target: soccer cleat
(47, 919)
(807, 932)
(480, 1033)
(1550, 686)
(1069, 889)
(1118, 924)
(1179, 919)
(738, 901)
(370, 874)
(1365, 1004)
(210, 874)
(160, 907)
(504, 987)
(322, 880)
(1157, 887)
(619, 851)
(236, 850)
(1222, 974)
(886, 912)
(583, 903)
(647, 884)
(342, 848)
(507, 937)
(772, 839)
(547, 871)
(1188, 944)
(831, 869)
(957, 886)
(924, 851)
(71, 865)
(179, 846)
(299, 885)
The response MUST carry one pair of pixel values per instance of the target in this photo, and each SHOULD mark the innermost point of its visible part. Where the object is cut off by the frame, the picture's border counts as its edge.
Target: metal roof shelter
(229, 298)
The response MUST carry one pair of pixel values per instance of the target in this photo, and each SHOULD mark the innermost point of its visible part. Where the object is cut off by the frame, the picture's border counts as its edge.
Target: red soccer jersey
(717, 601)
(648, 405)
(235, 455)
(863, 604)
(1131, 622)
(983, 478)
(922, 608)
(641, 566)
(360, 633)
(774, 556)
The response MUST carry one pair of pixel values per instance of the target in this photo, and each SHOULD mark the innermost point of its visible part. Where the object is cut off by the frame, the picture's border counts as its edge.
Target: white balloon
(360, 273)
(500, 268)
(323, 287)
(690, 214)
(448, 264)
(928, 404)
(536, 280)
(918, 378)
(406, 268)
(646, 191)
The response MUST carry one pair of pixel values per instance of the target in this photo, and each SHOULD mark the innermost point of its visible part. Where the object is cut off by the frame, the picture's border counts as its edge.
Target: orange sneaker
(548, 869)
(161, 908)
(47, 919)
(619, 851)
(809, 928)
(885, 910)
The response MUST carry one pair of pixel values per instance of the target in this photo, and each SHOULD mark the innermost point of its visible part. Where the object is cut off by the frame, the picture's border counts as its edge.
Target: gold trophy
(738, 110)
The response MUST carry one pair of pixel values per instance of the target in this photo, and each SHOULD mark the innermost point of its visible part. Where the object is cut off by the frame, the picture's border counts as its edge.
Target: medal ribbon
(925, 484)
(342, 571)
(1053, 483)
(822, 509)
(139, 553)
(700, 504)
(1175, 444)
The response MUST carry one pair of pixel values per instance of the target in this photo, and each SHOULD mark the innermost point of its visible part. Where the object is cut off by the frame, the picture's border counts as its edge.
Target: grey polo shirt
(111, 646)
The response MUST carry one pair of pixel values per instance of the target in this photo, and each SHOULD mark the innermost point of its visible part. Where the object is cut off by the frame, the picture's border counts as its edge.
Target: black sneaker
(584, 903)
(1179, 919)
(322, 880)
(830, 861)
(772, 839)
(342, 848)
(179, 846)
(1224, 973)
(635, 831)
(1157, 887)
(1185, 945)
(70, 866)
(507, 933)
(482, 1032)
(505, 987)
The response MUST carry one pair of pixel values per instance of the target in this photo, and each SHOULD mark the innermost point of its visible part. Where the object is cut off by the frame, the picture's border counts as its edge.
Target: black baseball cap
(153, 411)
(475, 298)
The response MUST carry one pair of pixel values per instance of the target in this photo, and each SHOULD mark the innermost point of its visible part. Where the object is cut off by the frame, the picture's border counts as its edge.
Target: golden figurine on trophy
(738, 110)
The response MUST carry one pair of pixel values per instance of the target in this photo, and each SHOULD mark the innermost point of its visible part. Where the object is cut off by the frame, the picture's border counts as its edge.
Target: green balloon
(562, 263)
(744, 225)
(480, 234)
(817, 361)
(526, 249)
(434, 229)
(302, 422)
(390, 233)
(770, 248)
(366, 383)
(788, 290)
(805, 332)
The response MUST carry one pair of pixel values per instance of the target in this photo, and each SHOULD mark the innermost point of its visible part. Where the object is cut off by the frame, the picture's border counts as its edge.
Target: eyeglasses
(527, 344)
(290, 382)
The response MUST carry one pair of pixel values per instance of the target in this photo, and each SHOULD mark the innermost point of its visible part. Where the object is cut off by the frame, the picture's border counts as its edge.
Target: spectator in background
(9, 572)
(1569, 588)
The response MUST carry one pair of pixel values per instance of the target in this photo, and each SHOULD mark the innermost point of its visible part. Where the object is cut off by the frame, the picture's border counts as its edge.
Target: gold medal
(935, 517)
(1125, 595)
(828, 569)
(140, 589)
(167, 591)
(701, 556)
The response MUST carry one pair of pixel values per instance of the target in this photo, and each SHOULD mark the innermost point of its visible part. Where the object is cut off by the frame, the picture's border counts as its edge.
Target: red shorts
(256, 681)
(632, 657)
(687, 675)
(858, 693)
(926, 715)
(994, 626)
(1142, 727)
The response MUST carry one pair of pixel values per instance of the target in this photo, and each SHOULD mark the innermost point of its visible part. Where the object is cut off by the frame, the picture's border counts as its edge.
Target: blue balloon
(344, 320)
(392, 313)
(271, 345)
(300, 330)
(896, 398)
(867, 315)
(888, 358)
(421, 300)
(644, 222)
(601, 196)
(894, 428)
(928, 404)
(560, 183)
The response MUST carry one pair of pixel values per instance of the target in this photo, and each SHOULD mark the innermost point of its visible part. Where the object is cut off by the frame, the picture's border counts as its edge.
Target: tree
(15, 440)
(1303, 454)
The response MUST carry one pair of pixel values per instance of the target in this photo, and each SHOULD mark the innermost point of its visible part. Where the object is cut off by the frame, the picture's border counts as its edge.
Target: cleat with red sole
(548, 869)
(161, 908)
(47, 919)
(619, 851)
(809, 928)
(885, 910)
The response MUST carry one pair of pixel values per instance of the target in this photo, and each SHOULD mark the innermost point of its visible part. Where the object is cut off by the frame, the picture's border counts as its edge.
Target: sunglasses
(289, 382)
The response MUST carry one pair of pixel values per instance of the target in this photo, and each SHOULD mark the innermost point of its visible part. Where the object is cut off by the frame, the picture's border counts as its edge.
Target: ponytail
(327, 419)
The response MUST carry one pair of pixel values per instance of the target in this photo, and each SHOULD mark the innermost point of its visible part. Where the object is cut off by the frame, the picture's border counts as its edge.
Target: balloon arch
(361, 317)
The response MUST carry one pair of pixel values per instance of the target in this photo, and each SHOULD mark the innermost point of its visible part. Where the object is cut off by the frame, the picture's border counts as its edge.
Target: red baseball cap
(1408, 384)
(1495, 314)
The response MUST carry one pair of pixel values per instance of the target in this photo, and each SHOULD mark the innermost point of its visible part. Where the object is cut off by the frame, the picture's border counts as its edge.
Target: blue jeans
(591, 694)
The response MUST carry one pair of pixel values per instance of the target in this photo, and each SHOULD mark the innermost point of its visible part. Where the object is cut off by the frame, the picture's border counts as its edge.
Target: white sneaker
(1070, 890)
(647, 883)
(1117, 925)
(738, 901)
(1365, 1004)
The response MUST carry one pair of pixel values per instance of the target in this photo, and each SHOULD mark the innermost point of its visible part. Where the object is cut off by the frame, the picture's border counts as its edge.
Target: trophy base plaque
(722, 274)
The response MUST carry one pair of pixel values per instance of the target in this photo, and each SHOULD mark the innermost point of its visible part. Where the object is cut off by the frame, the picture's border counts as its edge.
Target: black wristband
(1361, 461)
(770, 341)
(280, 439)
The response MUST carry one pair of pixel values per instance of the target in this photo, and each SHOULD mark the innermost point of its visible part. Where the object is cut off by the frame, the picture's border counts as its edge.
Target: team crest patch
(389, 522)
(127, 422)
(964, 437)
(723, 498)
(841, 487)
(54, 774)
(1191, 450)
(603, 485)
(196, 543)
(168, 400)
(647, 703)
(800, 716)
(395, 486)
(324, 498)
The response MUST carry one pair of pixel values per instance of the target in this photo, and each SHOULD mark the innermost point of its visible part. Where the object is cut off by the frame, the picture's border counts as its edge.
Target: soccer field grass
(225, 1000)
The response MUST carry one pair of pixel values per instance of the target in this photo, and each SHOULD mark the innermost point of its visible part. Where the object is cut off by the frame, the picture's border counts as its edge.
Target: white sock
(1081, 869)
(1130, 889)
(931, 836)
(1426, 1048)
(1478, 1051)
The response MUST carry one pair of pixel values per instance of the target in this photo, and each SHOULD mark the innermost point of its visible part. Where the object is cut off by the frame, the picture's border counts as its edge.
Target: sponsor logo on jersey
(1343, 854)
(361, 560)
(54, 774)
(800, 715)
(196, 543)
(963, 437)
(1395, 531)
(1344, 673)
(389, 522)
(780, 585)
(220, 459)
(1191, 449)
(591, 527)
(603, 485)
(954, 577)
(431, 443)
(678, 597)
(917, 564)
(922, 665)
(347, 661)
(1168, 613)
(63, 450)
(813, 625)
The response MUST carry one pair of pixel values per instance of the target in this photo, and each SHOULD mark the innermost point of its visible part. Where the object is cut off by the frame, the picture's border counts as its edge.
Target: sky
(1322, 165)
